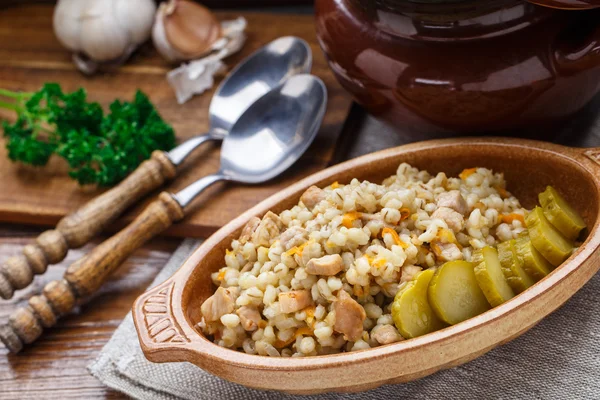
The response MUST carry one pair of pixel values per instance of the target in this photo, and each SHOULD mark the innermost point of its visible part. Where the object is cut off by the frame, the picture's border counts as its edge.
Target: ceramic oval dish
(165, 316)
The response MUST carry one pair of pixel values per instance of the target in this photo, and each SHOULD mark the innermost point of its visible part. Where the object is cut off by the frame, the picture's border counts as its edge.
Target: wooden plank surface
(44, 195)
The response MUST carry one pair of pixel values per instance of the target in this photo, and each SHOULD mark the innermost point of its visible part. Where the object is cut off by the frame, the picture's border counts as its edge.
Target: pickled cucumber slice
(512, 267)
(560, 214)
(477, 257)
(491, 279)
(546, 239)
(534, 264)
(454, 293)
(412, 314)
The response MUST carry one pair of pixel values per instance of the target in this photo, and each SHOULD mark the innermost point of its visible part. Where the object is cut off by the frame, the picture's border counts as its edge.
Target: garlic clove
(102, 39)
(67, 26)
(137, 17)
(159, 38)
(185, 30)
(190, 27)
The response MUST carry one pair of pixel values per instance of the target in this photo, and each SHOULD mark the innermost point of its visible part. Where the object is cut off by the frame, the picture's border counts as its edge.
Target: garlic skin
(185, 30)
(102, 31)
(197, 76)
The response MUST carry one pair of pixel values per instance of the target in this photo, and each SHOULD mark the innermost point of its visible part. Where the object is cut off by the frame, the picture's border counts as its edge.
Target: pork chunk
(219, 304)
(267, 230)
(386, 334)
(312, 196)
(453, 219)
(454, 200)
(327, 265)
(294, 300)
(349, 316)
(294, 236)
(249, 229)
(446, 251)
(249, 317)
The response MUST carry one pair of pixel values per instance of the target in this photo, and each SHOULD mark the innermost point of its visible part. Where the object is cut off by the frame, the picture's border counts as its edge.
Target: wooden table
(55, 367)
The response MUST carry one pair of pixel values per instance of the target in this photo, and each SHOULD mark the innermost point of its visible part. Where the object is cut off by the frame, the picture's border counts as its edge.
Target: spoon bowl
(275, 131)
(166, 316)
(263, 70)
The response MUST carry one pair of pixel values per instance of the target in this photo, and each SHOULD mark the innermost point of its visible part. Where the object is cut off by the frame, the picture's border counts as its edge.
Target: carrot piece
(509, 218)
(466, 173)
(395, 236)
(349, 218)
(297, 249)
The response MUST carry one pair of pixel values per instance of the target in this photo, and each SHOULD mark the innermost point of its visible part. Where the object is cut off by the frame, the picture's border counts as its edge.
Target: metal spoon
(267, 139)
(255, 76)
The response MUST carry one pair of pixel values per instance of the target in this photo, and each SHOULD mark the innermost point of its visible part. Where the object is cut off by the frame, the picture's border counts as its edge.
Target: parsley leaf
(99, 149)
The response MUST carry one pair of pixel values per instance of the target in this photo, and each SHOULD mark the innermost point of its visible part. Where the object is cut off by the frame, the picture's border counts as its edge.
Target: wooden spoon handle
(86, 276)
(79, 227)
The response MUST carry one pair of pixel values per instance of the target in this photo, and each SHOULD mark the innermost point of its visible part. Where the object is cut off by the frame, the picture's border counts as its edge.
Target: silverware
(267, 139)
(255, 76)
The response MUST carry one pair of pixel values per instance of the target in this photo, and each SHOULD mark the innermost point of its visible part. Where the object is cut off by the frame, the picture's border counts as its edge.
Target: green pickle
(477, 256)
(491, 279)
(454, 293)
(512, 267)
(459, 290)
(546, 239)
(560, 214)
(534, 264)
(411, 312)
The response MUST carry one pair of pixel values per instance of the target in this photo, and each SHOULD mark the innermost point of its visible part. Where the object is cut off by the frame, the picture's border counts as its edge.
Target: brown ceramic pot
(468, 66)
(166, 316)
(568, 4)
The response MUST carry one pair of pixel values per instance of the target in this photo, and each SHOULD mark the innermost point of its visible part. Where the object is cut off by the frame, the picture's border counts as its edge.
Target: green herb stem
(10, 106)
(15, 95)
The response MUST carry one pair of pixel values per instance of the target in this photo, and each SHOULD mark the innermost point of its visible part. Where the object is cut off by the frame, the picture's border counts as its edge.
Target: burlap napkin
(558, 359)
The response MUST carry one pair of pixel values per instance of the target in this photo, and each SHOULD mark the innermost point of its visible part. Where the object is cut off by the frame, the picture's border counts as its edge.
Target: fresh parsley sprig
(100, 149)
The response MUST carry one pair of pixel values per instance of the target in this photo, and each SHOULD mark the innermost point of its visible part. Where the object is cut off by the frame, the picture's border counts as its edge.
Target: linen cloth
(557, 359)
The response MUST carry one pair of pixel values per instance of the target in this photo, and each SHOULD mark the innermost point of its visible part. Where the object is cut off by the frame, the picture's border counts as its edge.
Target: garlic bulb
(102, 31)
(184, 30)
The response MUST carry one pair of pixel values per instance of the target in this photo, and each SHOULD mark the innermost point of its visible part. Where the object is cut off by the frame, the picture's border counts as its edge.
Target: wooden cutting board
(43, 195)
